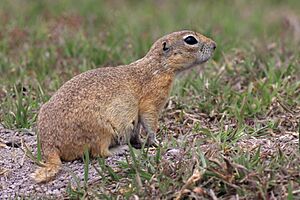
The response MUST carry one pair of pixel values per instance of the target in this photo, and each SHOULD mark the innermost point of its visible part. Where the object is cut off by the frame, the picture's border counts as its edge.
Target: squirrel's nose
(213, 45)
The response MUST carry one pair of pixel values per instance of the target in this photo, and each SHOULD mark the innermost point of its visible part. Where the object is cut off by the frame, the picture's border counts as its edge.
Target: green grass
(228, 120)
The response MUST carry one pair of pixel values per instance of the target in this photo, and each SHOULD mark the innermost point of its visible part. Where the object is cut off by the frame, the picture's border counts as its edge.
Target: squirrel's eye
(190, 40)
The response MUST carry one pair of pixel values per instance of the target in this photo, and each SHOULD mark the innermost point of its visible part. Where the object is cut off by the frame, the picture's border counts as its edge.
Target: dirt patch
(16, 167)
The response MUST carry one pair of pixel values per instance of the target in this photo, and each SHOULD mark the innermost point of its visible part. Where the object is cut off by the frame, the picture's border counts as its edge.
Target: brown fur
(105, 107)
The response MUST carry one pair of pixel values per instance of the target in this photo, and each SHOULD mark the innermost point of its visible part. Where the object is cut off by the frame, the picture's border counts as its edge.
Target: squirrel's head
(182, 50)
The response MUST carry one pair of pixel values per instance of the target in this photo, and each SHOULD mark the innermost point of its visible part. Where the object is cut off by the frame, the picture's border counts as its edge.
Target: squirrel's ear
(166, 48)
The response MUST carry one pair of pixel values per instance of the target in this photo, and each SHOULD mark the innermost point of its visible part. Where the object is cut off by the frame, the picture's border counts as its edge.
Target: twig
(212, 194)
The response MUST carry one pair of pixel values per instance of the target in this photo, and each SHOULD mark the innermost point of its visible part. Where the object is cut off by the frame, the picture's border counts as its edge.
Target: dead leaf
(199, 191)
(194, 178)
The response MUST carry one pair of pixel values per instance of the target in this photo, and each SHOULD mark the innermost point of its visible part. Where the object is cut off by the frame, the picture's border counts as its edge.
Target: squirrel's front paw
(119, 150)
(153, 142)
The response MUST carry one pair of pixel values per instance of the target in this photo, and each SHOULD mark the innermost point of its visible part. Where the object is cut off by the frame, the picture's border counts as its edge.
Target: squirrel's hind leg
(102, 142)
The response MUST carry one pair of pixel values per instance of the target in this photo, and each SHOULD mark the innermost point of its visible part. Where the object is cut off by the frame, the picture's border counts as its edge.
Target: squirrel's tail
(48, 172)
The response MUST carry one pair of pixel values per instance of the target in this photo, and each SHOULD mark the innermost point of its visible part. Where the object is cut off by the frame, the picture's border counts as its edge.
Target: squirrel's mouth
(205, 57)
(202, 59)
(206, 53)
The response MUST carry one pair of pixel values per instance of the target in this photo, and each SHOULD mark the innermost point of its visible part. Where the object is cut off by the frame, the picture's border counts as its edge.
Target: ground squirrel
(105, 107)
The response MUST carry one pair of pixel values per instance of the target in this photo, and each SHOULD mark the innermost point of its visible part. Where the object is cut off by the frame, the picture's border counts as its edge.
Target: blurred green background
(45, 43)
